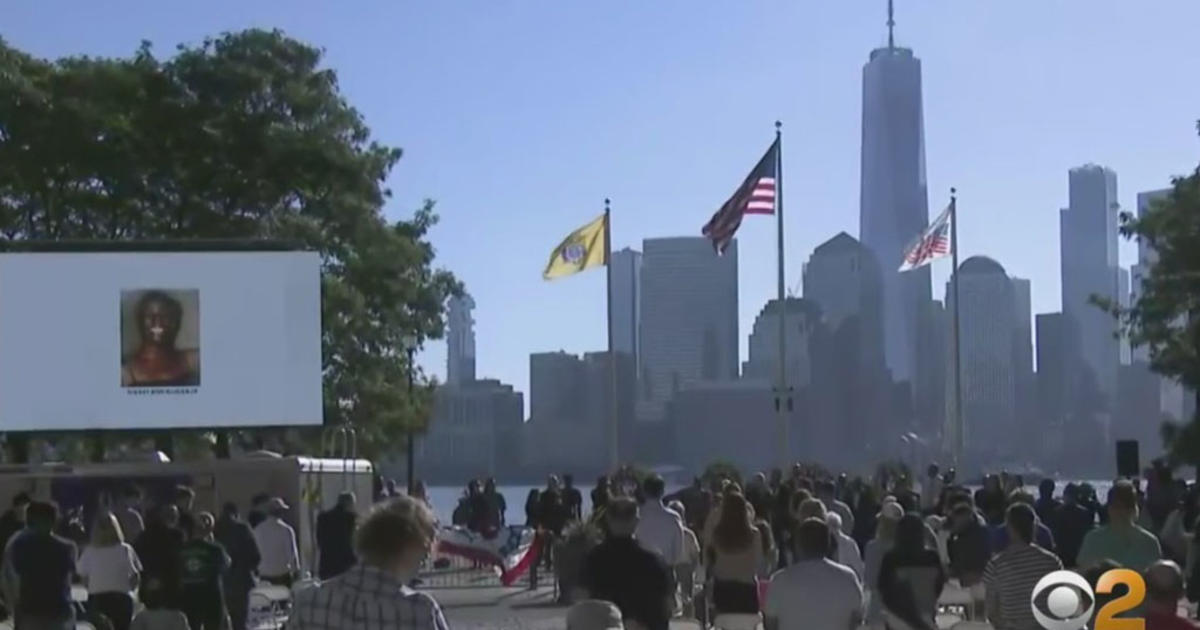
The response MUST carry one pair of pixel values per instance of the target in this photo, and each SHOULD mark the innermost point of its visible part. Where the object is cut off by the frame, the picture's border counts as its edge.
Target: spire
(891, 27)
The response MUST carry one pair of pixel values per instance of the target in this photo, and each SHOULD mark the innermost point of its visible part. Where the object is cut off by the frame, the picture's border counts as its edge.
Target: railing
(444, 571)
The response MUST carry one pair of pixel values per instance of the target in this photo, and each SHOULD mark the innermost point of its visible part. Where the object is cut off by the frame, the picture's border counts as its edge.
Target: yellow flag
(582, 249)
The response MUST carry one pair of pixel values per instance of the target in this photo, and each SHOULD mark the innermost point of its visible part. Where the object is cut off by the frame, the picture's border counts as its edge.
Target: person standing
(110, 570)
(237, 538)
(277, 545)
(1011, 574)
(185, 501)
(37, 573)
(621, 571)
(392, 543)
(1047, 506)
(258, 510)
(497, 507)
(814, 591)
(735, 556)
(1072, 525)
(601, 494)
(129, 516)
(335, 537)
(911, 577)
(158, 548)
(572, 499)
(1121, 540)
(204, 562)
(660, 530)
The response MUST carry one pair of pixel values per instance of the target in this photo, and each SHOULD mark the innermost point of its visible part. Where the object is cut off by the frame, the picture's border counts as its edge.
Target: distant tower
(460, 338)
(627, 301)
(894, 204)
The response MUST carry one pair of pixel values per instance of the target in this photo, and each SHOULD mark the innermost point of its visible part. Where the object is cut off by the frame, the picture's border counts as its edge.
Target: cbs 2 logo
(1064, 590)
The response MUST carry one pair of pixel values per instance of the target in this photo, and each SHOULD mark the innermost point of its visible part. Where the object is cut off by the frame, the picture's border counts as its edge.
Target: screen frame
(200, 245)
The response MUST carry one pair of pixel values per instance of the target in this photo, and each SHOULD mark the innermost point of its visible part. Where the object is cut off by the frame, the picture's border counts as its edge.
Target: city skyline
(1015, 96)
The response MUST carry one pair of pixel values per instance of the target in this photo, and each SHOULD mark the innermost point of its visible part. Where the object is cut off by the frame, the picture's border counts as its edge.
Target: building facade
(1026, 390)
(1088, 231)
(988, 327)
(626, 301)
(475, 432)
(689, 320)
(460, 340)
(556, 385)
(894, 205)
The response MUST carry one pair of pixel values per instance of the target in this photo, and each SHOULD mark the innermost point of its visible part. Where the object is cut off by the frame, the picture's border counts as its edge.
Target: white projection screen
(159, 340)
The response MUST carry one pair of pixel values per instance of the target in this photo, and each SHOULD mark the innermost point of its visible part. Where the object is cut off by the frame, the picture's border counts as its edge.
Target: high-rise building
(988, 326)
(1088, 229)
(475, 430)
(842, 278)
(1025, 394)
(460, 340)
(556, 385)
(1123, 299)
(763, 363)
(894, 203)
(626, 300)
(689, 320)
(1054, 347)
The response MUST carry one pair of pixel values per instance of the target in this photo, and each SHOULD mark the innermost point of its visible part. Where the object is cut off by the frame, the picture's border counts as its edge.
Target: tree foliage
(1166, 317)
(245, 136)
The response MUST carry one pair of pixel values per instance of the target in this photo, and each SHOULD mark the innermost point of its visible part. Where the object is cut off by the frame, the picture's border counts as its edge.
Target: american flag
(933, 243)
(756, 195)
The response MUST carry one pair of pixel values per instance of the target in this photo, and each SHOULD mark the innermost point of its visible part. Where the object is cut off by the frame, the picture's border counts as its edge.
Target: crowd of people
(167, 565)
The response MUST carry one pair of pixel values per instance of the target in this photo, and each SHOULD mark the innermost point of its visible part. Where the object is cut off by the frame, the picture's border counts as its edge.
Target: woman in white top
(110, 569)
(735, 558)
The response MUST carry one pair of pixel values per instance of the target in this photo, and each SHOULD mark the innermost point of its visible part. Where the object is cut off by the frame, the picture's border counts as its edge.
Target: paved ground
(509, 609)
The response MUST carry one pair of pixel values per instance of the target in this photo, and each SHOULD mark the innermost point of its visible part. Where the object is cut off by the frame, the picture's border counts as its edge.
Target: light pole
(410, 349)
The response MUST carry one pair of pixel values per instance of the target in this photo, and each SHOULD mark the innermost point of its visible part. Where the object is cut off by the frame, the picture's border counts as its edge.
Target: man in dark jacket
(42, 565)
(620, 571)
(1073, 522)
(335, 537)
(158, 548)
(238, 540)
(969, 545)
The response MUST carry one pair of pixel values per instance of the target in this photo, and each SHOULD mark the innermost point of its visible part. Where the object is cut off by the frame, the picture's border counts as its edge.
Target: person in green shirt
(1121, 540)
(203, 563)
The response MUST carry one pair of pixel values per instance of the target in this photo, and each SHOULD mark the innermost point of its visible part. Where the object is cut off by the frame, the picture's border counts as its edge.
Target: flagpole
(959, 437)
(783, 396)
(613, 431)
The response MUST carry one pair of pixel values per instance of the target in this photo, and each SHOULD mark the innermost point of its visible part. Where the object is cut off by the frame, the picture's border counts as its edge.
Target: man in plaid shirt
(392, 542)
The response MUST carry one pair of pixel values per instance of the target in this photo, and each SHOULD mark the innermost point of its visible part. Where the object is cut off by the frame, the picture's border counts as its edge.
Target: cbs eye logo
(1067, 601)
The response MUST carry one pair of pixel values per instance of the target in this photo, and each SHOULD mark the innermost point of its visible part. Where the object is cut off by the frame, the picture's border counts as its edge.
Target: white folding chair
(267, 604)
(737, 621)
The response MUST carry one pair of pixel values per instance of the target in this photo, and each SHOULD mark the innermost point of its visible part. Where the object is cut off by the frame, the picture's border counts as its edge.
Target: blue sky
(520, 116)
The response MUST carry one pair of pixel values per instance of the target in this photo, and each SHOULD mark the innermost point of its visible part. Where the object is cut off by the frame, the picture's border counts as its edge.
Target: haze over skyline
(519, 118)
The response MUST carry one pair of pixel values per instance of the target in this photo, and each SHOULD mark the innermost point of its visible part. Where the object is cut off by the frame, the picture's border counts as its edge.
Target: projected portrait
(160, 338)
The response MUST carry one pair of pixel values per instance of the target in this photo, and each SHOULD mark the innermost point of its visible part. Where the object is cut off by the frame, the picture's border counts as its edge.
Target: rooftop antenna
(891, 27)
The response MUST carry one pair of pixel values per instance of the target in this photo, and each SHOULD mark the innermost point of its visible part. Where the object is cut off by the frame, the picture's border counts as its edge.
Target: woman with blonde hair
(735, 558)
(110, 570)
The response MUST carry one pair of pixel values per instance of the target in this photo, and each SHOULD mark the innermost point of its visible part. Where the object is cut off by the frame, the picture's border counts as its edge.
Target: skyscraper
(1146, 259)
(988, 323)
(1089, 268)
(1025, 393)
(1123, 300)
(460, 340)
(689, 319)
(894, 202)
(626, 300)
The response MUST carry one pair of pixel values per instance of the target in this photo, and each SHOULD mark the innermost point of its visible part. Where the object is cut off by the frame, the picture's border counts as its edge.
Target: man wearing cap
(277, 544)
(335, 537)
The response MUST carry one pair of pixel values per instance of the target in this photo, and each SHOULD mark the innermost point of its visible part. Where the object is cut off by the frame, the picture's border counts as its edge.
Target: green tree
(245, 136)
(1166, 317)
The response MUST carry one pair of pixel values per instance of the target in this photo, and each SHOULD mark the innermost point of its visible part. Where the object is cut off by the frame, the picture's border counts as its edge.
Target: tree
(245, 136)
(1166, 317)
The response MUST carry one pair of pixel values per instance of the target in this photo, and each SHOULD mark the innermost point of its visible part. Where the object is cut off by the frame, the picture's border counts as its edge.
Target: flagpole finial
(953, 191)
(606, 202)
(778, 125)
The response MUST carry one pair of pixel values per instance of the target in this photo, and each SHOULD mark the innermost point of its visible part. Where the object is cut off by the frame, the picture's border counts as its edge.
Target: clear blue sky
(520, 116)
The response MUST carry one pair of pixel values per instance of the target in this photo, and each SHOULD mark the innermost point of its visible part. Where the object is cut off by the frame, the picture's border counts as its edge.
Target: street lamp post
(411, 348)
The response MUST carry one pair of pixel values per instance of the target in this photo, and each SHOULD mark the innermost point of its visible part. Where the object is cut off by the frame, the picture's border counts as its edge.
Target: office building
(556, 385)
(1088, 230)
(894, 204)
(763, 364)
(460, 340)
(1025, 394)
(689, 320)
(1123, 296)
(988, 326)
(626, 300)
(475, 431)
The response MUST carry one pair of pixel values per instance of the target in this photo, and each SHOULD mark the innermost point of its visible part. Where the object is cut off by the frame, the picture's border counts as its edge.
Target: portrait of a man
(160, 338)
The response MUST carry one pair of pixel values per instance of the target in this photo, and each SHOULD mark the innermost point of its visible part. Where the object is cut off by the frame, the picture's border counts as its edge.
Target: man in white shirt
(847, 548)
(277, 545)
(660, 530)
(815, 593)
